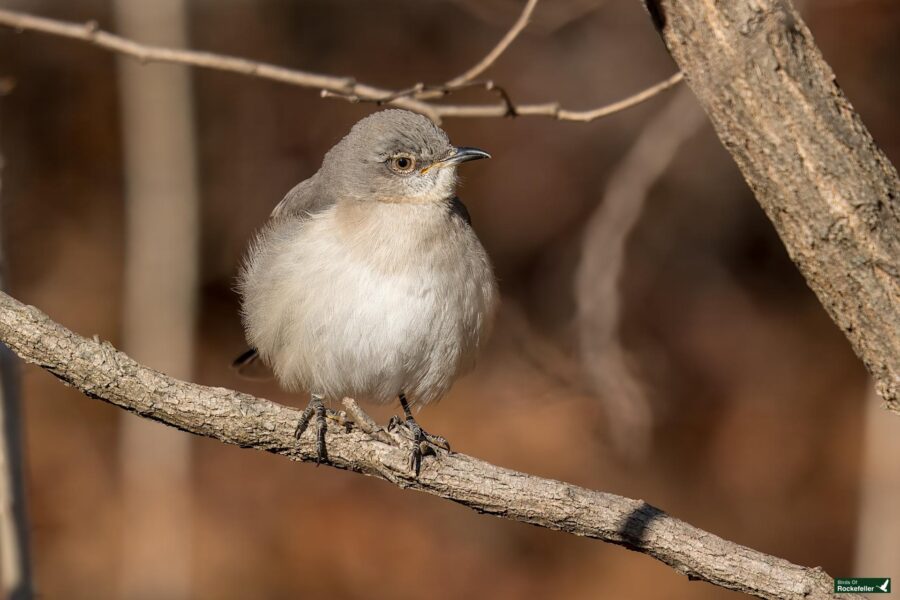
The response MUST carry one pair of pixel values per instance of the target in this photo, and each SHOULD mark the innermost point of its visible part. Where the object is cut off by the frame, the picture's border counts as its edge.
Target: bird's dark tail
(249, 366)
(247, 358)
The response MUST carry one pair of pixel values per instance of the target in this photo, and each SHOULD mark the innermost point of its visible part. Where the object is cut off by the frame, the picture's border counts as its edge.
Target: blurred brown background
(757, 401)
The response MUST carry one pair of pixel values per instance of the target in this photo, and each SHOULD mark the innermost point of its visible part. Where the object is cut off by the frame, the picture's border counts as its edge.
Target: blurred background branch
(162, 234)
(15, 561)
(608, 368)
(343, 87)
(877, 549)
(100, 371)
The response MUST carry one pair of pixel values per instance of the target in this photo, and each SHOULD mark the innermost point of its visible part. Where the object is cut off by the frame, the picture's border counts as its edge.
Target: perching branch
(831, 193)
(418, 98)
(100, 371)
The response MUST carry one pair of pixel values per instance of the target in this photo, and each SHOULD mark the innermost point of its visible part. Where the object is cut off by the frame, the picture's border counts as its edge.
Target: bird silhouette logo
(886, 586)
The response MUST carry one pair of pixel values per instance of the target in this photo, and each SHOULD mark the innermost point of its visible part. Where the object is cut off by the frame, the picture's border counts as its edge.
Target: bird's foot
(424, 443)
(316, 407)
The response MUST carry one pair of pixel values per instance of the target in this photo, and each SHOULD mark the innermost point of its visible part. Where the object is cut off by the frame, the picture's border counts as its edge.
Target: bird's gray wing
(304, 199)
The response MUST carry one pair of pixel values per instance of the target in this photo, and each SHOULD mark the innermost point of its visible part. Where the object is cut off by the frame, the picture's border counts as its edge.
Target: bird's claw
(315, 407)
(424, 443)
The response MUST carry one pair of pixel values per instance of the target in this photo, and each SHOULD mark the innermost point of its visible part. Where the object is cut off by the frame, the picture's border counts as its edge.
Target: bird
(368, 280)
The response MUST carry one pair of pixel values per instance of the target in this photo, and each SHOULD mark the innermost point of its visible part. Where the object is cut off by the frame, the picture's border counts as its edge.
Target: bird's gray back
(303, 200)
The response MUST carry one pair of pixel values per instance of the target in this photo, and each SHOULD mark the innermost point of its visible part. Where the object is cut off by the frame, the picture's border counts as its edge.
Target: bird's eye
(402, 163)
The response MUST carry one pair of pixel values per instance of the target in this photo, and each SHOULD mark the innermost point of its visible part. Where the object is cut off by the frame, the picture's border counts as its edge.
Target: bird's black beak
(464, 154)
(460, 155)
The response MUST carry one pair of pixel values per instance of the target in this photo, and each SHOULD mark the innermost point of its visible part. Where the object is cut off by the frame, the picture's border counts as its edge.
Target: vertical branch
(160, 297)
(15, 567)
(597, 279)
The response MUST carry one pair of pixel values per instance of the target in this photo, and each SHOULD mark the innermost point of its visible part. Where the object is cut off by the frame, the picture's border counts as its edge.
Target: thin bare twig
(555, 111)
(491, 57)
(331, 86)
(102, 372)
(554, 15)
(423, 91)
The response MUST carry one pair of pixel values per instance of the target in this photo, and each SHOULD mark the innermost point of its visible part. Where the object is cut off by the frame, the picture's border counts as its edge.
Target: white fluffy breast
(368, 300)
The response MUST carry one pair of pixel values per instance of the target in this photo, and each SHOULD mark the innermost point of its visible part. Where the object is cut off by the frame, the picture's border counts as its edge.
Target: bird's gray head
(395, 156)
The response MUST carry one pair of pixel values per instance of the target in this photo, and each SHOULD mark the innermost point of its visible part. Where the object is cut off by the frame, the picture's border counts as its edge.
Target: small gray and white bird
(368, 281)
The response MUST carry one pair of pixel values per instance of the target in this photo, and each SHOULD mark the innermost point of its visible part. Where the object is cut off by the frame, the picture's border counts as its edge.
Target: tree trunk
(830, 192)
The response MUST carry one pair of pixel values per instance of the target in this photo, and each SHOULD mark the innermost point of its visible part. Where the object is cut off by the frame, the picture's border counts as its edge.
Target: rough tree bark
(830, 192)
(100, 371)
